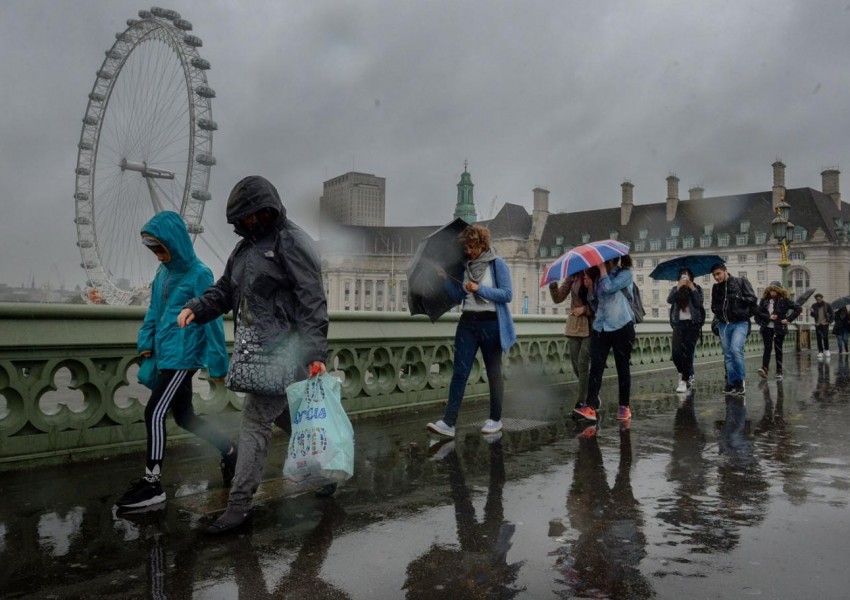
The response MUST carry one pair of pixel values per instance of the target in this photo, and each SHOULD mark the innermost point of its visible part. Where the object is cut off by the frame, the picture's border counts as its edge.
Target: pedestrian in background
(272, 282)
(579, 322)
(775, 311)
(485, 324)
(179, 353)
(613, 328)
(841, 329)
(822, 314)
(687, 315)
(733, 302)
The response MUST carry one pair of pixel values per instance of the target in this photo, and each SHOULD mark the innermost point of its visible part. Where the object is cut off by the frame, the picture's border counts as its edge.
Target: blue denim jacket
(609, 302)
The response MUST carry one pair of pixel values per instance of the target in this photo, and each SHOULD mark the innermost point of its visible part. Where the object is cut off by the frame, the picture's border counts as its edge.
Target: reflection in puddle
(55, 532)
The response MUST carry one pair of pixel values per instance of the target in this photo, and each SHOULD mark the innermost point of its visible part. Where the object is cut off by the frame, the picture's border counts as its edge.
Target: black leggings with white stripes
(174, 391)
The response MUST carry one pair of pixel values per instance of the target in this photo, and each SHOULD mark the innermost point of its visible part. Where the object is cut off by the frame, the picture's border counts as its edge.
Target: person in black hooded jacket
(272, 280)
(733, 302)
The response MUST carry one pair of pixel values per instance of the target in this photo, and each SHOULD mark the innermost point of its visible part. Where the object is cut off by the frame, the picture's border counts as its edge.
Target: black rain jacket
(783, 308)
(733, 301)
(278, 277)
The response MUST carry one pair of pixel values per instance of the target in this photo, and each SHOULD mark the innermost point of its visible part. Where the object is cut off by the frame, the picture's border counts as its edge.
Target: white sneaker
(682, 387)
(826, 353)
(491, 426)
(441, 428)
(820, 355)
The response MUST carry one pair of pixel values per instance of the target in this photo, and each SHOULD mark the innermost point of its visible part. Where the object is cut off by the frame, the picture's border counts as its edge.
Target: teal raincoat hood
(169, 229)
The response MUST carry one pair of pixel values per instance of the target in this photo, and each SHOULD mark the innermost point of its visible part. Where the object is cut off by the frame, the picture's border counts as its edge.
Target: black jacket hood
(251, 194)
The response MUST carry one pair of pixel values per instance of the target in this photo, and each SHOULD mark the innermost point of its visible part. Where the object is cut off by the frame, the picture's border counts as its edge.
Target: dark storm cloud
(574, 96)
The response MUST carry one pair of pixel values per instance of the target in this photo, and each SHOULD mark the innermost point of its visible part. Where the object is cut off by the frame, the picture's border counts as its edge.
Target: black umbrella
(698, 264)
(839, 302)
(442, 250)
(801, 299)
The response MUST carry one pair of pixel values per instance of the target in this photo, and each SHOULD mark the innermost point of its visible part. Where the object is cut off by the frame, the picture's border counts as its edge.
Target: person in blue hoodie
(178, 353)
(485, 323)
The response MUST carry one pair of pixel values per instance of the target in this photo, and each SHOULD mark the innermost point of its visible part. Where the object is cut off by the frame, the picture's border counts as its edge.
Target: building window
(801, 234)
(705, 280)
(640, 279)
(674, 231)
(742, 274)
(655, 245)
(559, 241)
(742, 239)
(705, 241)
(672, 243)
(797, 255)
(613, 234)
(761, 237)
(688, 242)
(761, 257)
(585, 237)
(798, 281)
(639, 263)
(643, 233)
(654, 262)
(656, 296)
(760, 276)
(722, 240)
(742, 259)
(556, 251)
(640, 245)
(655, 313)
(745, 227)
(708, 229)
(544, 251)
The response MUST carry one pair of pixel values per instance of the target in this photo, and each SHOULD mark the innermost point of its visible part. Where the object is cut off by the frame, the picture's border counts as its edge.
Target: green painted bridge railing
(68, 386)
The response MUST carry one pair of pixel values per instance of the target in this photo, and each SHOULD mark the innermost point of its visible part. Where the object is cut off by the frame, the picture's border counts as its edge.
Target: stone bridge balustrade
(68, 387)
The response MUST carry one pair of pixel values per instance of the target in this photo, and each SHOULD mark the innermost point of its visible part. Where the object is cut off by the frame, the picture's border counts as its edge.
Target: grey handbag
(258, 369)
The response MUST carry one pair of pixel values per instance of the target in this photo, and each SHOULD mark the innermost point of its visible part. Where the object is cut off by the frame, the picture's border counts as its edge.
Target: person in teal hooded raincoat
(178, 353)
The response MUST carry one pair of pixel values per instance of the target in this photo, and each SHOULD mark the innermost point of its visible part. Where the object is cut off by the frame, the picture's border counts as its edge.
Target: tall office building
(354, 199)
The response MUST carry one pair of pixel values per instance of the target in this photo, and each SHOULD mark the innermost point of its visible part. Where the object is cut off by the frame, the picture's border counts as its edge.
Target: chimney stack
(778, 182)
(830, 186)
(672, 196)
(696, 193)
(627, 204)
(540, 213)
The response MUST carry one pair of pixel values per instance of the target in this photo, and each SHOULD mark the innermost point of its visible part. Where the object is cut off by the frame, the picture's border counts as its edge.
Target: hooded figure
(173, 354)
(273, 280)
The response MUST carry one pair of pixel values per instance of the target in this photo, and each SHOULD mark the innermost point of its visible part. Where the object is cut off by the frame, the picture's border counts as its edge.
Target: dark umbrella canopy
(427, 294)
(839, 302)
(801, 299)
(699, 265)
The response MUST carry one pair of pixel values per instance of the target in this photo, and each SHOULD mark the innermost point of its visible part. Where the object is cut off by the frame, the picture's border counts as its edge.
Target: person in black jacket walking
(775, 311)
(273, 279)
(822, 314)
(733, 302)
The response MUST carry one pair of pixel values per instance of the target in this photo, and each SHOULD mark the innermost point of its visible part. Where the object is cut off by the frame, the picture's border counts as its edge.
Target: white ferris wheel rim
(145, 146)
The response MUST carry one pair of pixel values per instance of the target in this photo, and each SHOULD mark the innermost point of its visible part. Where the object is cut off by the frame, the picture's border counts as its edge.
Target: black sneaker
(228, 466)
(740, 389)
(142, 492)
(729, 389)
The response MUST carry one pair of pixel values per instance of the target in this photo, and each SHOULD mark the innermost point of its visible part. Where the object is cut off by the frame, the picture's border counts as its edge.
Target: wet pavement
(704, 496)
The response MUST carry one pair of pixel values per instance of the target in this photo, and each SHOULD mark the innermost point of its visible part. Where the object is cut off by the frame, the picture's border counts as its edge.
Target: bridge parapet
(68, 388)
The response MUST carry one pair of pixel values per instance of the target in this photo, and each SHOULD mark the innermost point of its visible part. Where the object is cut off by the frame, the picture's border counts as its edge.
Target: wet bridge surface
(704, 496)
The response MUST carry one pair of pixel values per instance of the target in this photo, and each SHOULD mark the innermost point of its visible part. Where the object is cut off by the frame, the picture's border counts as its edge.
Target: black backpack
(635, 303)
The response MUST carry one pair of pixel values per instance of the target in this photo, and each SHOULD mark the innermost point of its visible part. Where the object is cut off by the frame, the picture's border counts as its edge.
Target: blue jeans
(732, 338)
(470, 336)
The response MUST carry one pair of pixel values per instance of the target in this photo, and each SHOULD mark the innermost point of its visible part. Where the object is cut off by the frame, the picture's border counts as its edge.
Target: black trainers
(142, 492)
(728, 389)
(740, 388)
(228, 466)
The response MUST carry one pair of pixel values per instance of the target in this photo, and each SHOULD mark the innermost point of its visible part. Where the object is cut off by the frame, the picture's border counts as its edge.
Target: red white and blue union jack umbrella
(582, 257)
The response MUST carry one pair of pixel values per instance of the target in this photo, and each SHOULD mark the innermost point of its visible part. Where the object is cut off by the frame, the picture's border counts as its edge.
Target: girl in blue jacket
(178, 353)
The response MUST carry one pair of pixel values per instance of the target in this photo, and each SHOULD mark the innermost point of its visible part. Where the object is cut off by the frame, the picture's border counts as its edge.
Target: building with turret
(364, 267)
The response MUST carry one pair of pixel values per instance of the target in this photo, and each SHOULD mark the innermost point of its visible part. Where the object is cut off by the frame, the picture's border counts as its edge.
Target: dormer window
(559, 240)
(674, 231)
(745, 227)
(643, 234)
(585, 237)
(708, 229)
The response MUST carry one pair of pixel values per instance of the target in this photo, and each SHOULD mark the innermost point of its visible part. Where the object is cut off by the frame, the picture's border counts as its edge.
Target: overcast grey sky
(574, 96)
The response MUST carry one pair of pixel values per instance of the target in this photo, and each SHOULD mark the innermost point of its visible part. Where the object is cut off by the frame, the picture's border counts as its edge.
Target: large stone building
(364, 267)
(354, 199)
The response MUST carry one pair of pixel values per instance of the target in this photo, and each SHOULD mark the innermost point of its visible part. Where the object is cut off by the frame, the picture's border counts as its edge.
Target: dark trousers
(822, 333)
(684, 342)
(471, 335)
(173, 392)
(602, 342)
(773, 340)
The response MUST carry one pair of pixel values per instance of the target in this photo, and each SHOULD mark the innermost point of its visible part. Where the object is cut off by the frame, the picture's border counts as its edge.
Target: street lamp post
(783, 233)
